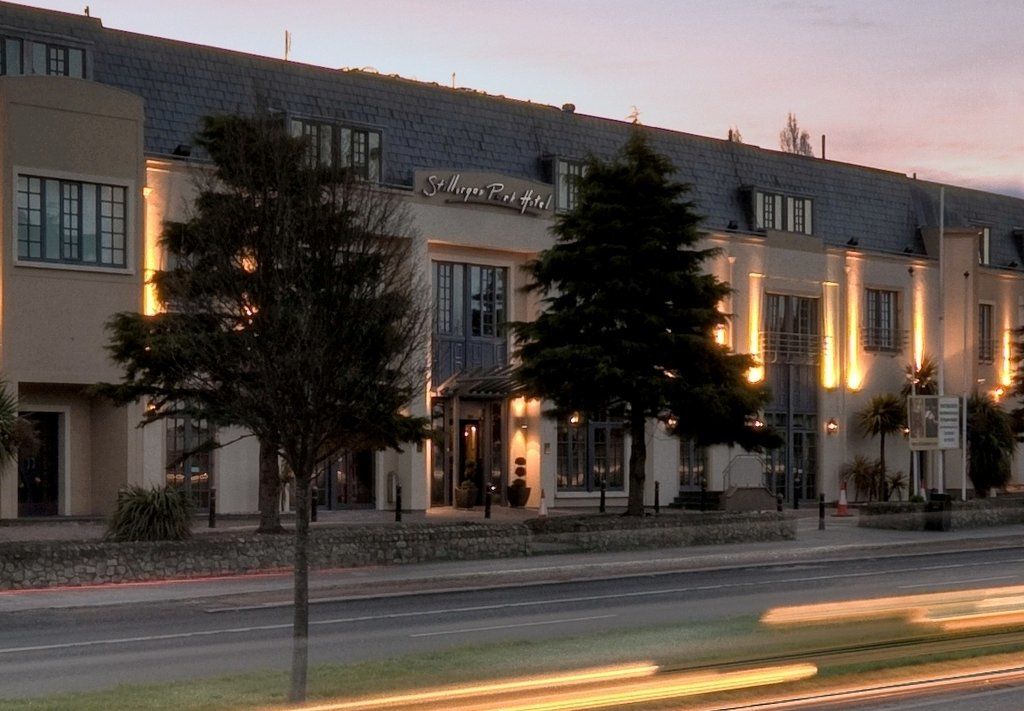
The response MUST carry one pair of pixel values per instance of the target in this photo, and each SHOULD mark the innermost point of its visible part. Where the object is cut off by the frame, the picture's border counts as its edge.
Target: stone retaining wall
(975, 513)
(51, 563)
(600, 533)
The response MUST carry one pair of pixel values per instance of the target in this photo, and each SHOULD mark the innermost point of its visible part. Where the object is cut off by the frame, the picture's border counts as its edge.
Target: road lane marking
(505, 627)
(958, 582)
(469, 608)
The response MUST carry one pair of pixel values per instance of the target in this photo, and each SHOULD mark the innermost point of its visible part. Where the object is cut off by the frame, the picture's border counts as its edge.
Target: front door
(346, 481)
(39, 471)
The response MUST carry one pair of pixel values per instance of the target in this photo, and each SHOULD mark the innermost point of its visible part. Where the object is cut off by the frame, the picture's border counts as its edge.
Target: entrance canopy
(495, 382)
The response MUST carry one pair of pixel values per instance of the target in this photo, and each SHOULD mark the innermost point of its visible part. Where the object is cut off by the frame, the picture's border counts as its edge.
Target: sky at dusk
(934, 87)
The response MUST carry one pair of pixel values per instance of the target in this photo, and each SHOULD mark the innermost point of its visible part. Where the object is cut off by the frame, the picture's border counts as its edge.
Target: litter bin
(938, 512)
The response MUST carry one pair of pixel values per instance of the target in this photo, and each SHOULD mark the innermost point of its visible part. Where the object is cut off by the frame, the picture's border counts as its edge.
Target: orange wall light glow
(151, 257)
(755, 374)
(854, 375)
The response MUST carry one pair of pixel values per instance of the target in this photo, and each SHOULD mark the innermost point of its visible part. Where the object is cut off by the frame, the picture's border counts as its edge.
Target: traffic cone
(841, 509)
(543, 505)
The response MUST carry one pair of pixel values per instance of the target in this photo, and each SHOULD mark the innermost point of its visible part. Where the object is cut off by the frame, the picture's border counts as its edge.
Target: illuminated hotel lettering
(494, 192)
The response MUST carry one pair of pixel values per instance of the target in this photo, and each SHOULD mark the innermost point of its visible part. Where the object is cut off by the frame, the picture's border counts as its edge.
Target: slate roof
(431, 126)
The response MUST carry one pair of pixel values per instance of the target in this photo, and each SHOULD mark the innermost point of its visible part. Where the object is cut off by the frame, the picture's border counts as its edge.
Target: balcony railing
(786, 347)
(986, 350)
(884, 340)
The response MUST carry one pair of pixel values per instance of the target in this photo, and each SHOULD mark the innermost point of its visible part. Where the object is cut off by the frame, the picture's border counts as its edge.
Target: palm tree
(16, 433)
(990, 444)
(882, 416)
(923, 380)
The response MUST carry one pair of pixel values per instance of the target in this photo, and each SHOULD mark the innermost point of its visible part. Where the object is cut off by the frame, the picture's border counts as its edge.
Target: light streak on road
(979, 676)
(955, 610)
(586, 676)
(587, 689)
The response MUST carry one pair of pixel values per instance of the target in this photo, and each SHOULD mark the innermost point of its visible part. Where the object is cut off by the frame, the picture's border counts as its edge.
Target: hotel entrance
(469, 446)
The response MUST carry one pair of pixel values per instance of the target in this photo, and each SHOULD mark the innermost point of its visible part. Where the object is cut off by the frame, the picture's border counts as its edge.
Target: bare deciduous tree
(792, 139)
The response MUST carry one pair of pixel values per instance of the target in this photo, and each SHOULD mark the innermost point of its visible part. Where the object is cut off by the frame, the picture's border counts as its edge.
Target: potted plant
(518, 491)
(465, 492)
(518, 494)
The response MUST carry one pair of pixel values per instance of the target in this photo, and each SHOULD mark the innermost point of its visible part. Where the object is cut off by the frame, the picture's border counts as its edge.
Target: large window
(54, 60)
(791, 329)
(882, 321)
(775, 211)
(590, 453)
(986, 343)
(72, 222)
(567, 176)
(470, 308)
(693, 464)
(357, 149)
(189, 462)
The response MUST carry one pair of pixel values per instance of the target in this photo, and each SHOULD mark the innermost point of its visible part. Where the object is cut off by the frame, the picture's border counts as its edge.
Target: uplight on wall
(832, 426)
(755, 374)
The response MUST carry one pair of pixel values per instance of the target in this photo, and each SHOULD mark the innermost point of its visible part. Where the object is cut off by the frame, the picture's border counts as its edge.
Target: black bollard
(657, 498)
(703, 494)
(312, 509)
(778, 503)
(487, 502)
(601, 506)
(398, 503)
(821, 512)
(213, 507)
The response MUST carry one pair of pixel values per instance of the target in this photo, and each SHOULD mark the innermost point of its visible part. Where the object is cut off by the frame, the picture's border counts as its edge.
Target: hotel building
(836, 273)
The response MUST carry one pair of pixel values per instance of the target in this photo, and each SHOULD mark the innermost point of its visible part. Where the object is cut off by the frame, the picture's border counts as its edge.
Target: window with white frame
(331, 144)
(882, 321)
(54, 59)
(986, 343)
(72, 222)
(775, 211)
(567, 176)
(983, 245)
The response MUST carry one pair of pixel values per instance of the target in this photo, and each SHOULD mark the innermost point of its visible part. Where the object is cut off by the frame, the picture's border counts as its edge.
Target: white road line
(957, 582)
(471, 608)
(505, 627)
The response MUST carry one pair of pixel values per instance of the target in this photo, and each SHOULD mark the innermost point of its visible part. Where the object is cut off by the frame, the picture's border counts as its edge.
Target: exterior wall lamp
(832, 426)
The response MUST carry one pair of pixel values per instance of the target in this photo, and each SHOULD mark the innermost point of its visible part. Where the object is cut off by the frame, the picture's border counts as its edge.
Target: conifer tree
(629, 318)
(294, 312)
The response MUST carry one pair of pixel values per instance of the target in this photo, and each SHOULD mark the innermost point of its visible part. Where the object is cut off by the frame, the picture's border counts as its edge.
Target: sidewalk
(842, 540)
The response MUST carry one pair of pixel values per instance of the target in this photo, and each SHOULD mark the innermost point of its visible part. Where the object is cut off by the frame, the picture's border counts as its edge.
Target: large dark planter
(518, 496)
(465, 497)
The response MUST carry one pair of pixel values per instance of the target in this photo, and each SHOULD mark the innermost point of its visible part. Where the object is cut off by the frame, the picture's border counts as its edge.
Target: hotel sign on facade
(485, 189)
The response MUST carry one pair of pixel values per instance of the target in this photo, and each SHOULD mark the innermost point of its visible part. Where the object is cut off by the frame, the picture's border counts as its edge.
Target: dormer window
(567, 175)
(984, 235)
(34, 57)
(330, 144)
(787, 213)
(10, 56)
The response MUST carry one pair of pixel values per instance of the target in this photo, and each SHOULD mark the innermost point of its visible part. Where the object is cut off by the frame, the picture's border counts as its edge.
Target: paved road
(43, 651)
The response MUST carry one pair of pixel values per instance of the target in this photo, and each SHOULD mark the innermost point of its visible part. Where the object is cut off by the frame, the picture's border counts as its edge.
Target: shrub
(862, 473)
(156, 514)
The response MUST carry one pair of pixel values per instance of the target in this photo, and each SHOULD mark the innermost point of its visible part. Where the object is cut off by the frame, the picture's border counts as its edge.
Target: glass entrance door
(39, 471)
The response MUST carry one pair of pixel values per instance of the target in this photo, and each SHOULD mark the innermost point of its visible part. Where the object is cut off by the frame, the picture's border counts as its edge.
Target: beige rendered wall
(52, 316)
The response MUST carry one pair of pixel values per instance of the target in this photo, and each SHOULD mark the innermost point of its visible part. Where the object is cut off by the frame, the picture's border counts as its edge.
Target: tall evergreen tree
(629, 316)
(296, 313)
